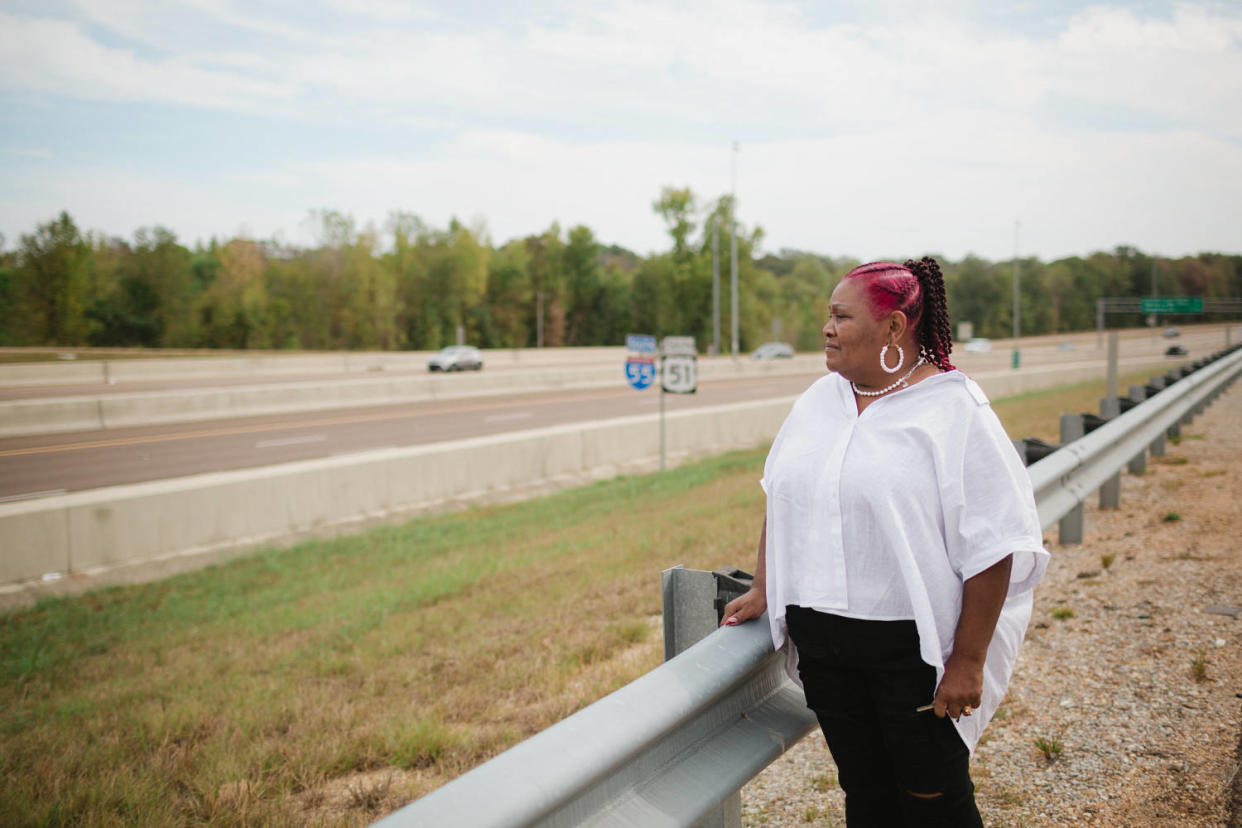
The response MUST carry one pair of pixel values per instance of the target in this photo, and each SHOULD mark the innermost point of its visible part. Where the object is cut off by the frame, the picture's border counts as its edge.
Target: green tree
(677, 208)
(234, 308)
(51, 288)
(157, 289)
(979, 292)
(8, 316)
(547, 275)
(508, 298)
(408, 264)
(583, 289)
(123, 306)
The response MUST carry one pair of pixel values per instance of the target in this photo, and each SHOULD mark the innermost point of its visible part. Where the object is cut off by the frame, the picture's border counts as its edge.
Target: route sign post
(640, 372)
(678, 374)
(679, 365)
(640, 366)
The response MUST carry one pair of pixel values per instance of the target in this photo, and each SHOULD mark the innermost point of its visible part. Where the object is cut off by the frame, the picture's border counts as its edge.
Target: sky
(857, 128)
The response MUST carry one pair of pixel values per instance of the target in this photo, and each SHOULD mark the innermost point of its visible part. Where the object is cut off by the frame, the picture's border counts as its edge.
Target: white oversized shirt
(884, 514)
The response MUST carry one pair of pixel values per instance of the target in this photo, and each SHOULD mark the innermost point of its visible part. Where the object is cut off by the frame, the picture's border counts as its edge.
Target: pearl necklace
(900, 382)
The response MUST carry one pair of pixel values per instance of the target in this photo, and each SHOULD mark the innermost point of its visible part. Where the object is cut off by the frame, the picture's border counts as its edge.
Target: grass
(238, 694)
(1106, 560)
(427, 647)
(1062, 613)
(1198, 666)
(1037, 413)
(824, 782)
(1171, 517)
(1050, 747)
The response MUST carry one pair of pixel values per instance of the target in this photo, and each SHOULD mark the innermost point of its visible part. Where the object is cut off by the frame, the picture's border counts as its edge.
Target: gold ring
(966, 710)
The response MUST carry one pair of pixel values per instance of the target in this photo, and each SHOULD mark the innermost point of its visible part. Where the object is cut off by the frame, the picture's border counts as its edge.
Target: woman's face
(852, 336)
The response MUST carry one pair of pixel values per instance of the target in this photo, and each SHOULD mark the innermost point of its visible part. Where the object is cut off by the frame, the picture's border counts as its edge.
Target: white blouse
(883, 515)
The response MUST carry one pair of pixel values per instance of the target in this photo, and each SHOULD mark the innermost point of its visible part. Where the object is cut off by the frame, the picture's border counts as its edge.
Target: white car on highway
(456, 358)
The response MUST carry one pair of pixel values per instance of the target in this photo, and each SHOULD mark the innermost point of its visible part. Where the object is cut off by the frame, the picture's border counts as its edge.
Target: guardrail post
(690, 615)
(1110, 492)
(1138, 464)
(689, 608)
(1069, 530)
(1154, 386)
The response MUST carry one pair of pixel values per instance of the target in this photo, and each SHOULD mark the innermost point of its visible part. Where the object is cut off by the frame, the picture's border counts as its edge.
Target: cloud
(1187, 68)
(28, 152)
(56, 58)
(656, 67)
(863, 132)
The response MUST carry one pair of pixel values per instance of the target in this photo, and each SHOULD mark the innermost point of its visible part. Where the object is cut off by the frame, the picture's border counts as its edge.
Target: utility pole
(1154, 318)
(716, 285)
(1017, 359)
(539, 320)
(733, 238)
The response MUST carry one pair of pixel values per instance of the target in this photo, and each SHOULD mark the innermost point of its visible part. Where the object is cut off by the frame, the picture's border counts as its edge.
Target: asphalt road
(55, 463)
(1035, 350)
(40, 465)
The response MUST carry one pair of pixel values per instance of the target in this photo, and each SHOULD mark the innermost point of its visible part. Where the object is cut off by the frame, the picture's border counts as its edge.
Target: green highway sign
(1172, 304)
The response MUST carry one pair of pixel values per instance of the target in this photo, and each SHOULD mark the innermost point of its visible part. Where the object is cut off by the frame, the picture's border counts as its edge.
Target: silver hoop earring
(901, 359)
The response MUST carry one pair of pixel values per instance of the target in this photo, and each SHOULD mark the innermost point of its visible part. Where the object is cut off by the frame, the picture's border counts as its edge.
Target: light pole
(1153, 321)
(716, 284)
(733, 238)
(1017, 359)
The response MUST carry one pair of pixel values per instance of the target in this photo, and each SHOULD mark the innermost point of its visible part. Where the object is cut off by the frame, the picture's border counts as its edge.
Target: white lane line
(291, 441)
(500, 418)
(353, 452)
(31, 495)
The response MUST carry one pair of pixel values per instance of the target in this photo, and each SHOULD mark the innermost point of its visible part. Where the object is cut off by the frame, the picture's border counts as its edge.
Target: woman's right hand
(750, 604)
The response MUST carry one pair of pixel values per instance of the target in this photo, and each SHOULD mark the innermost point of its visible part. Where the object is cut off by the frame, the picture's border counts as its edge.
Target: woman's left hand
(961, 690)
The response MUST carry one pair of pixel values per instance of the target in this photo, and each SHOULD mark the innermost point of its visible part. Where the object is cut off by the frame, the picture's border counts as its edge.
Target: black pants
(863, 680)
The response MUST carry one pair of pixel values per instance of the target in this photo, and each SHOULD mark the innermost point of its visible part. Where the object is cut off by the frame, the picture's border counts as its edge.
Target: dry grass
(331, 682)
(216, 696)
(1037, 414)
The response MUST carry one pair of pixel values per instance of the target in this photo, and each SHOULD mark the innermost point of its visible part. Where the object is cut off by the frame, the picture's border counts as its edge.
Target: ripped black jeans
(863, 680)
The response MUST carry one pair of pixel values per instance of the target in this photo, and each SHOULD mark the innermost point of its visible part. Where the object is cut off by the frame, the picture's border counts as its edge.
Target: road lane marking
(32, 495)
(259, 427)
(291, 441)
(327, 421)
(500, 418)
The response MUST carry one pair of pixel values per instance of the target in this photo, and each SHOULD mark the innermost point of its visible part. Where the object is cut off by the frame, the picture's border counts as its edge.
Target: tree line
(414, 286)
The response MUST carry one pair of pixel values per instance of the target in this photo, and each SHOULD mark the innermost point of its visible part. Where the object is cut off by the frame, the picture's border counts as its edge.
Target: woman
(898, 552)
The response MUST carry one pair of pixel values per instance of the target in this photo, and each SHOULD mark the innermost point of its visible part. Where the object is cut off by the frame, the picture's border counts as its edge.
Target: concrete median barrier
(50, 415)
(53, 372)
(119, 410)
(156, 367)
(150, 529)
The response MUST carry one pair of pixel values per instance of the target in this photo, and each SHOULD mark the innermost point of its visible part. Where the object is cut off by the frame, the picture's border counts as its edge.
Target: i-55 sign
(679, 374)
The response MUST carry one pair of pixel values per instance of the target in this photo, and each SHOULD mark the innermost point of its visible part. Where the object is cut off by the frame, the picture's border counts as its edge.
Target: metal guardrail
(1066, 478)
(661, 751)
(671, 747)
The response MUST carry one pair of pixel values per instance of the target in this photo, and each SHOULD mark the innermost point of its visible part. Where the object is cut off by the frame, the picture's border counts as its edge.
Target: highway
(48, 464)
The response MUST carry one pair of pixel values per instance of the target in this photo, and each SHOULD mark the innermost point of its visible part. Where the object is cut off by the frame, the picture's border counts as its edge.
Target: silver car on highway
(456, 358)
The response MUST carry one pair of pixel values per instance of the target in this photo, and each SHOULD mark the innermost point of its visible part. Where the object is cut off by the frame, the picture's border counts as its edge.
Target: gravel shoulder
(1124, 709)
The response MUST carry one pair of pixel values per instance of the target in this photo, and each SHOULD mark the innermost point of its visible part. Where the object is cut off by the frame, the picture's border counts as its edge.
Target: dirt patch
(347, 799)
